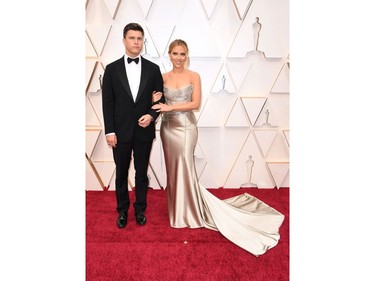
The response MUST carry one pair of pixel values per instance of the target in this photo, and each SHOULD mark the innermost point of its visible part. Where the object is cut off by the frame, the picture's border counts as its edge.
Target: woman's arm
(195, 102)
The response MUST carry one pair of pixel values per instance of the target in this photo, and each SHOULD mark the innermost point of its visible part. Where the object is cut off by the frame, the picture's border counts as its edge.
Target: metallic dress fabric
(245, 220)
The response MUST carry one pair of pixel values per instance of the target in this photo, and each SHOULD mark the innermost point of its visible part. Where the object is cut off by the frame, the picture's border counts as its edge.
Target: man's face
(133, 43)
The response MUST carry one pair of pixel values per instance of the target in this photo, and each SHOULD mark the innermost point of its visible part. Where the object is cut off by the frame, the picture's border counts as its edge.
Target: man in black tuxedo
(128, 85)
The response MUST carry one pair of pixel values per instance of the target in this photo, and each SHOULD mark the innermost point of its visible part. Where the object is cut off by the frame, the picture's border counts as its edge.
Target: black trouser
(122, 157)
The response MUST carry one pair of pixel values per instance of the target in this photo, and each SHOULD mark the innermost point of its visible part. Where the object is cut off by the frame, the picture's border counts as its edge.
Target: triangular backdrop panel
(95, 99)
(209, 6)
(200, 160)
(279, 171)
(265, 140)
(278, 111)
(153, 179)
(105, 171)
(253, 107)
(242, 6)
(286, 135)
(273, 38)
(208, 117)
(90, 67)
(92, 182)
(238, 116)
(238, 69)
(157, 162)
(97, 13)
(149, 49)
(260, 77)
(222, 152)
(92, 136)
(102, 152)
(224, 12)
(160, 34)
(98, 35)
(145, 6)
(279, 150)
(282, 81)
(91, 117)
(114, 48)
(260, 175)
(90, 51)
(208, 78)
(208, 177)
(97, 79)
(224, 83)
(112, 6)
(193, 17)
(222, 104)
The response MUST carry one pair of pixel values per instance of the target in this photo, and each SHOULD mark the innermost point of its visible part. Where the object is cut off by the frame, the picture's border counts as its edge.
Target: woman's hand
(162, 107)
(156, 96)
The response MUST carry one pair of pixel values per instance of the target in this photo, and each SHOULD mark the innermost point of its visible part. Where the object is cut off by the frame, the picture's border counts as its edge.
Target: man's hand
(111, 140)
(145, 120)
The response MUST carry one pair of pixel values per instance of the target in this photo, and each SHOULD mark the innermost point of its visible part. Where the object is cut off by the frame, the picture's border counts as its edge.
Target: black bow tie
(136, 60)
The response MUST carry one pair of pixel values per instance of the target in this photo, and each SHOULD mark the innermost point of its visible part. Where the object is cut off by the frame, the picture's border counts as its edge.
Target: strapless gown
(245, 220)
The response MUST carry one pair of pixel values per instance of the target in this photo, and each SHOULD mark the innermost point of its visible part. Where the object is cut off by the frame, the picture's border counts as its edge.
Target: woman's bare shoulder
(166, 74)
(194, 76)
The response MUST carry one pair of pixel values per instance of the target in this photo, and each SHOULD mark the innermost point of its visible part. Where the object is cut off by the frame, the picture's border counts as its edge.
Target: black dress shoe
(140, 218)
(122, 220)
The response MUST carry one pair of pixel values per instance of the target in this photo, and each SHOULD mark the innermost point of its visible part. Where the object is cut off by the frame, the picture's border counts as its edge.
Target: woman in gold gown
(245, 220)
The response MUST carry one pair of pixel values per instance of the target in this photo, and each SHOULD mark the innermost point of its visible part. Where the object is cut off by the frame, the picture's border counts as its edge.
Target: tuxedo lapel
(123, 77)
(145, 73)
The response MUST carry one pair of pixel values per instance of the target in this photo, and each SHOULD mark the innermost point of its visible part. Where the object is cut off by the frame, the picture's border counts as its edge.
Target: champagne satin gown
(245, 220)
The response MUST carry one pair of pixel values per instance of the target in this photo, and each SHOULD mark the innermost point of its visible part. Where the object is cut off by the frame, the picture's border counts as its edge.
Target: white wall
(232, 123)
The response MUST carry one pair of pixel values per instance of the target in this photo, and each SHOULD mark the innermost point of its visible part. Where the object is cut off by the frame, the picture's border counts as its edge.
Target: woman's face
(178, 56)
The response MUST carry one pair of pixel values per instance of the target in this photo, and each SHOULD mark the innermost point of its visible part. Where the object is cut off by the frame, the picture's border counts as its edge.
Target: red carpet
(158, 252)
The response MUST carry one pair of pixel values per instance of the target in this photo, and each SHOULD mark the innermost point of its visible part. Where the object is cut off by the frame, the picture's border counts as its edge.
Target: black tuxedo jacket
(120, 111)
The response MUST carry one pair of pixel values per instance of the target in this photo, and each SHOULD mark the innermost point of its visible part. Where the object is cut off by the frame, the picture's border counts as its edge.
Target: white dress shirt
(133, 71)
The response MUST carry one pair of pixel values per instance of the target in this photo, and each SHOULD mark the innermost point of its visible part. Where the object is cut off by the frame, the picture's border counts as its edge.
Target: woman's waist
(179, 114)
